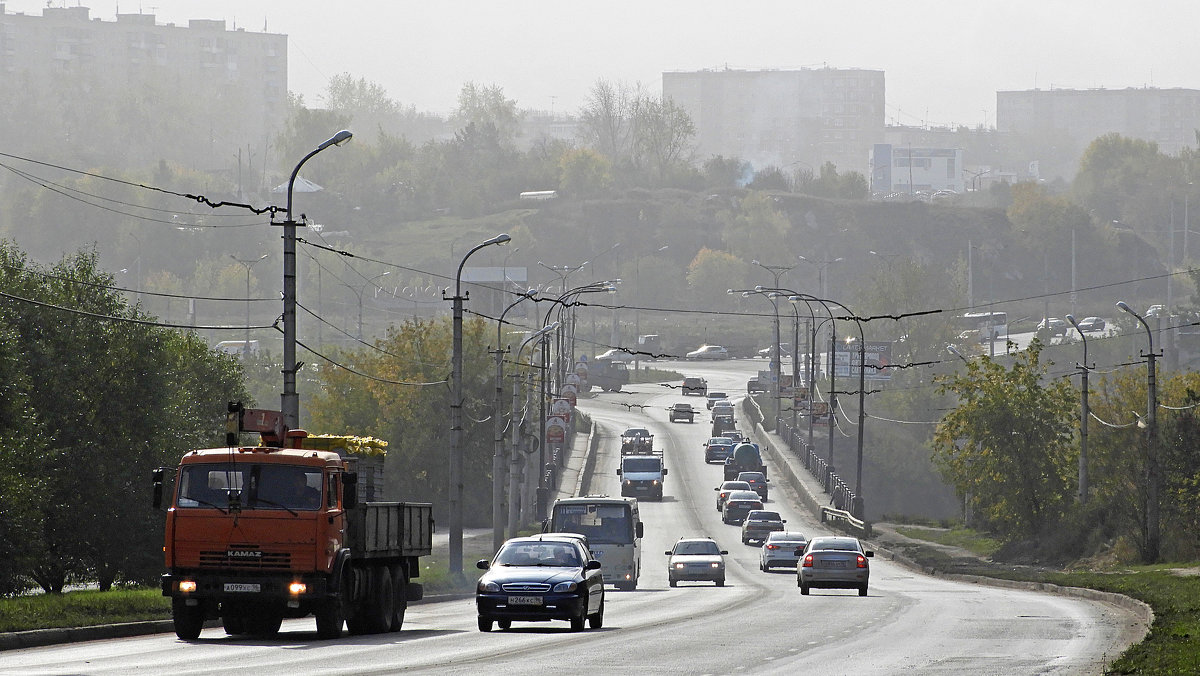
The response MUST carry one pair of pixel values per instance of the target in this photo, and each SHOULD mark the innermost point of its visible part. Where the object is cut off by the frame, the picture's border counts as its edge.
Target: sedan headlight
(566, 586)
(716, 564)
(489, 587)
(678, 566)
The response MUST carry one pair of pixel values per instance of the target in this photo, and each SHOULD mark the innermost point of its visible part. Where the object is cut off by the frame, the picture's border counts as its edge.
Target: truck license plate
(524, 600)
(237, 587)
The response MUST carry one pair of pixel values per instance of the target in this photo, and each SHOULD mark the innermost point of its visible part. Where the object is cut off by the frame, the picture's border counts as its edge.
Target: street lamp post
(776, 271)
(456, 452)
(1083, 414)
(822, 282)
(514, 472)
(498, 513)
(248, 263)
(290, 399)
(1150, 553)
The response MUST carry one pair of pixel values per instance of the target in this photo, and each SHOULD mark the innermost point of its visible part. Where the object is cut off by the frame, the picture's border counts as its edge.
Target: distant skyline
(943, 61)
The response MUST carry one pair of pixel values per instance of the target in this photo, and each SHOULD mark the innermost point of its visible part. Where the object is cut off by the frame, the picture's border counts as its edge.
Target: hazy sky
(944, 60)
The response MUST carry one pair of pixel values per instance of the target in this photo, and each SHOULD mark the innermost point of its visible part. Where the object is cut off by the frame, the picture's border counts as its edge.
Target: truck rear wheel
(377, 609)
(188, 620)
(234, 624)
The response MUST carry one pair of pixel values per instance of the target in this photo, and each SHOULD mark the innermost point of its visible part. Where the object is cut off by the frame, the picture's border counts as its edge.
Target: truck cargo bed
(390, 529)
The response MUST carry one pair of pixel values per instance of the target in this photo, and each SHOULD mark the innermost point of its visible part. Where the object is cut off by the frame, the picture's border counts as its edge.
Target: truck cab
(642, 476)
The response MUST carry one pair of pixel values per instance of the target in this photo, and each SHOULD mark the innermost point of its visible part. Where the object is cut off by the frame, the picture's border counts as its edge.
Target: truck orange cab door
(335, 521)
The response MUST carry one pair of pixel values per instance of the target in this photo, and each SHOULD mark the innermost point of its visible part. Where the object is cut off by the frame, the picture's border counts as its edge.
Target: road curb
(589, 460)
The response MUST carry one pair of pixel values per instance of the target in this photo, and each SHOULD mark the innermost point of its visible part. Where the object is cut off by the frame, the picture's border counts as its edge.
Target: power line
(128, 320)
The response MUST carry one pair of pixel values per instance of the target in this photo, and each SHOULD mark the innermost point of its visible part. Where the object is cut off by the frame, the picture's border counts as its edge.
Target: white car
(617, 355)
(709, 352)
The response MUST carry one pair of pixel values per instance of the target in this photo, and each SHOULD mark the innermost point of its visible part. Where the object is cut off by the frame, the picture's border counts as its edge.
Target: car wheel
(578, 622)
(485, 623)
(862, 591)
(721, 582)
(504, 625)
(803, 589)
(672, 582)
(597, 621)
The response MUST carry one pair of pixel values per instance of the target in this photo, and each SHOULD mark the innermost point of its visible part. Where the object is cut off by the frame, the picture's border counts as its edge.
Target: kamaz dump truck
(291, 527)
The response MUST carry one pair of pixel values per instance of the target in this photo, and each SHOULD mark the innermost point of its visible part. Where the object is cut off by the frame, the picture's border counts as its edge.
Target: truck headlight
(187, 586)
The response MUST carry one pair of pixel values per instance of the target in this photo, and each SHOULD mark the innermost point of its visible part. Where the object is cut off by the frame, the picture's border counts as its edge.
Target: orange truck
(294, 526)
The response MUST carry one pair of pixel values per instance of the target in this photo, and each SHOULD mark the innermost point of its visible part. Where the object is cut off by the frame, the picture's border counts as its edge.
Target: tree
(664, 136)
(1007, 444)
(757, 229)
(487, 106)
(608, 120)
(584, 173)
(710, 274)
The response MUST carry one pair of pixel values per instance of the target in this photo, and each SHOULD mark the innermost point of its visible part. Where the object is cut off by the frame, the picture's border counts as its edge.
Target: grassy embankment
(1172, 590)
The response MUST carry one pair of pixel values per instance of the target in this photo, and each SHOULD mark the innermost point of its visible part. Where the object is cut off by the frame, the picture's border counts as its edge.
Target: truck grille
(268, 560)
(527, 588)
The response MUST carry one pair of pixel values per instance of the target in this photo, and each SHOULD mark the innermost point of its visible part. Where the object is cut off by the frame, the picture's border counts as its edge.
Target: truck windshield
(643, 464)
(252, 485)
(602, 524)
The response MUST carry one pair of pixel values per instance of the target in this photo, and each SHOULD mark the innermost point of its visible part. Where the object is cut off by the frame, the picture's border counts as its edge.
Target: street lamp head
(759, 287)
(730, 292)
(498, 239)
(1122, 305)
(1071, 319)
(337, 139)
(755, 262)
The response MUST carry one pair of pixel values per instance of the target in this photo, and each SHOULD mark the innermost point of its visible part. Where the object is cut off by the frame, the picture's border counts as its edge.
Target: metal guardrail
(841, 515)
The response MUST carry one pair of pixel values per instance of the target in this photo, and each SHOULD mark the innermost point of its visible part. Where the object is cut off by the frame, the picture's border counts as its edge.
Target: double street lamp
(1150, 550)
(1083, 413)
(290, 399)
(456, 402)
(247, 263)
(498, 425)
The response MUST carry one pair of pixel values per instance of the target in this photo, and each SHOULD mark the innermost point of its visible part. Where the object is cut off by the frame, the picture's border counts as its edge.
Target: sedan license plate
(833, 564)
(524, 600)
(236, 587)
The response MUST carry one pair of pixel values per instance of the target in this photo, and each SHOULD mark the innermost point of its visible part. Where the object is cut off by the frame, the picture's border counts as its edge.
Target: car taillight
(772, 546)
(808, 561)
(862, 561)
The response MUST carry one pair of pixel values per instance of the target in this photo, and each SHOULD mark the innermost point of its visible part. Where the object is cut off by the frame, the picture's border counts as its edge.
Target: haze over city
(943, 61)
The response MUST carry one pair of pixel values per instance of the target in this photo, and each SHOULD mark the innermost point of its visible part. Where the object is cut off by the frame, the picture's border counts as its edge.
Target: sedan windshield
(553, 554)
(697, 547)
(836, 544)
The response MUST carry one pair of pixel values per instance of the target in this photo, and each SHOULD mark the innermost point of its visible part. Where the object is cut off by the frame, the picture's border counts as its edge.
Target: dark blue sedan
(540, 578)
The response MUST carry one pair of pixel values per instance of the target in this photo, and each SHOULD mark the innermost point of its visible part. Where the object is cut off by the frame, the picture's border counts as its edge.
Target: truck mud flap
(416, 591)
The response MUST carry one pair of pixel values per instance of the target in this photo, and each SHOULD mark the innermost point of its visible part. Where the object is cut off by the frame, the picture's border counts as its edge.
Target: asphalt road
(757, 623)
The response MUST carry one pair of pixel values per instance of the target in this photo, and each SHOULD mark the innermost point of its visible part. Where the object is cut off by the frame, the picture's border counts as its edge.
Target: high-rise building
(783, 117)
(196, 95)
(1065, 121)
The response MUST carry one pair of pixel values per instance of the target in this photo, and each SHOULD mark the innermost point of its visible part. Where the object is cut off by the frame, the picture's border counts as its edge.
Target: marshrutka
(295, 526)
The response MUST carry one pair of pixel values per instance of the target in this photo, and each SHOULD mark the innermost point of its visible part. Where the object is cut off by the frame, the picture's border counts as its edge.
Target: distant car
(617, 355)
(1092, 324)
(709, 352)
(755, 385)
(696, 560)
(757, 481)
(717, 449)
(834, 563)
(738, 505)
(724, 407)
(781, 548)
(1056, 326)
(759, 523)
(1156, 310)
(726, 488)
(784, 349)
(713, 397)
(683, 412)
(544, 577)
(695, 385)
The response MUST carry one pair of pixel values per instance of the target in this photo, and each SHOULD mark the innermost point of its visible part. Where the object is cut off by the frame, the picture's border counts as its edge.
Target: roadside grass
(82, 608)
(1172, 591)
(980, 544)
(653, 375)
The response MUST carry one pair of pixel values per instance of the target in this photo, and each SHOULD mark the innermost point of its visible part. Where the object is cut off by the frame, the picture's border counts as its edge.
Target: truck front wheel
(188, 620)
(330, 619)
(399, 596)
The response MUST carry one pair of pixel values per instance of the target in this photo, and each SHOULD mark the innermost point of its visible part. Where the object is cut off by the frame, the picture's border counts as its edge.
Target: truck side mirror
(157, 479)
(349, 490)
(618, 471)
(639, 530)
(664, 471)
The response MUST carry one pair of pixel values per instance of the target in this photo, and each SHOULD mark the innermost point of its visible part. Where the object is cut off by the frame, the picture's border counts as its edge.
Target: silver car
(837, 562)
(696, 559)
(782, 549)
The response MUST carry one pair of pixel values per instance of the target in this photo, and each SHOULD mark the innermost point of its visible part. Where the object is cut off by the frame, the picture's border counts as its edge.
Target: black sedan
(540, 578)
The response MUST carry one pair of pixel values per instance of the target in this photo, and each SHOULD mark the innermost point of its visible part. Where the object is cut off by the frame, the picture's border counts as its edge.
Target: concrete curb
(589, 460)
(35, 638)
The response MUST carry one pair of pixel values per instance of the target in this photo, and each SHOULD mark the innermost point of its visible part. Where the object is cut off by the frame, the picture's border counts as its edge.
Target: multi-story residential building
(1062, 122)
(783, 117)
(196, 95)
